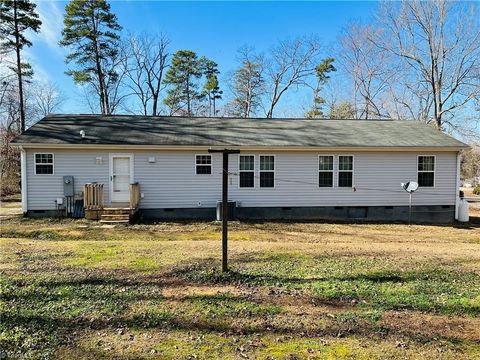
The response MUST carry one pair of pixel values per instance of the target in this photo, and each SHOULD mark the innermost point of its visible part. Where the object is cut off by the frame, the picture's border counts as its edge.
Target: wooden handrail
(93, 197)
(134, 195)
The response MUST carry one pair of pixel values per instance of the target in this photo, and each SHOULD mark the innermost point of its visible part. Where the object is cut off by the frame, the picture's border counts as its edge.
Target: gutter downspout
(457, 188)
(23, 166)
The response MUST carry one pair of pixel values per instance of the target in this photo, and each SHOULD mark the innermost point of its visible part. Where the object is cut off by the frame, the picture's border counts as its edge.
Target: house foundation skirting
(420, 214)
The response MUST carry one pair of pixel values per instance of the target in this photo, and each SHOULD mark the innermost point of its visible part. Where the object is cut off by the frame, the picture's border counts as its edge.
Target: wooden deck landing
(113, 213)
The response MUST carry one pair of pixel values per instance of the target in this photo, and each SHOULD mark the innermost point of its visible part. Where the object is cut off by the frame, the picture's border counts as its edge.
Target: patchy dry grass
(72, 289)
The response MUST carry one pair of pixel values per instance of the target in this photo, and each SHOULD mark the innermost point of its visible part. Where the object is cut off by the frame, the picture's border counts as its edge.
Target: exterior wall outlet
(151, 159)
(142, 195)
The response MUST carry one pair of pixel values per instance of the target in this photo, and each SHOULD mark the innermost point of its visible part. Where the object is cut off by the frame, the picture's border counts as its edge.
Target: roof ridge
(219, 117)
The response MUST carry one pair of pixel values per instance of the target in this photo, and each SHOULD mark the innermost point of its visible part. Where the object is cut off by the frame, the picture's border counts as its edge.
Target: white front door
(121, 176)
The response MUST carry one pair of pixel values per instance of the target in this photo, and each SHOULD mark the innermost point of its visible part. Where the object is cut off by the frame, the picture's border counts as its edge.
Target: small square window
(203, 164)
(44, 164)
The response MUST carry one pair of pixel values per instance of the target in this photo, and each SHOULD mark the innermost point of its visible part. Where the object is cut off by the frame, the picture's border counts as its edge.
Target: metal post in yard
(225, 212)
(225, 153)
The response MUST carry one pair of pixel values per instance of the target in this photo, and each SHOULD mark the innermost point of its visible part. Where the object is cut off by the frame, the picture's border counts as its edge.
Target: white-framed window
(426, 170)
(345, 171)
(267, 171)
(44, 164)
(203, 164)
(246, 171)
(325, 171)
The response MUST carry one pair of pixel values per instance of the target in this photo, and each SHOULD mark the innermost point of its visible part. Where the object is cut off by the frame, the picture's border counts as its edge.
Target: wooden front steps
(116, 215)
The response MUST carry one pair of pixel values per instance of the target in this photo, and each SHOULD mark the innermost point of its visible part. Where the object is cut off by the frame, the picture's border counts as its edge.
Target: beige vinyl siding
(171, 182)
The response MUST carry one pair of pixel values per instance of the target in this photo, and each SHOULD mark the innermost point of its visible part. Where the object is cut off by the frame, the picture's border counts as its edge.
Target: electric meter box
(68, 186)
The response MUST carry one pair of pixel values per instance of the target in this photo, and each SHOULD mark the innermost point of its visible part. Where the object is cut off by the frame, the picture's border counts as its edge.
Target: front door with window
(121, 176)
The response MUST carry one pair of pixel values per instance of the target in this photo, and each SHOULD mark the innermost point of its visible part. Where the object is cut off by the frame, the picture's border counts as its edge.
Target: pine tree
(91, 32)
(322, 70)
(16, 18)
(344, 110)
(182, 77)
(211, 88)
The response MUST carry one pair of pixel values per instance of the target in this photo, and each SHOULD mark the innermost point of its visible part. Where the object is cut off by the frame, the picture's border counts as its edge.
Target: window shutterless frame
(427, 171)
(199, 164)
(246, 171)
(352, 171)
(265, 171)
(326, 171)
(52, 163)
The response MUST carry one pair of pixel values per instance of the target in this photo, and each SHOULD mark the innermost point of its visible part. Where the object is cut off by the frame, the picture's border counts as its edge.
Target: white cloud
(40, 73)
(51, 16)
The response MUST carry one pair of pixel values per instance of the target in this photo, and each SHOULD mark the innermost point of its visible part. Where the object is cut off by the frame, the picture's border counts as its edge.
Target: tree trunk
(189, 113)
(19, 69)
(104, 107)
(154, 105)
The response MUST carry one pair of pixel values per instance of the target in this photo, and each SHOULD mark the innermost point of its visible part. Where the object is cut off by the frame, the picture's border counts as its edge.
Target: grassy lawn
(72, 289)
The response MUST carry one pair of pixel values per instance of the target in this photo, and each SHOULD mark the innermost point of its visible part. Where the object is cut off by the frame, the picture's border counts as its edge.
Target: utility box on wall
(68, 186)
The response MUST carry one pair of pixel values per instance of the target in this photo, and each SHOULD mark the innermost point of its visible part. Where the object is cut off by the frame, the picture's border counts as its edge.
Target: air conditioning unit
(231, 210)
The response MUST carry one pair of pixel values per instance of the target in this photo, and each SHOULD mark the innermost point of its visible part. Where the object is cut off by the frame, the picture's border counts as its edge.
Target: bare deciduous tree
(146, 63)
(470, 167)
(291, 63)
(47, 98)
(368, 66)
(438, 43)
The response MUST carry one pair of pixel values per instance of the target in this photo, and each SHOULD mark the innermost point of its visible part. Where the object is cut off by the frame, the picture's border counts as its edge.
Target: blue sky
(213, 29)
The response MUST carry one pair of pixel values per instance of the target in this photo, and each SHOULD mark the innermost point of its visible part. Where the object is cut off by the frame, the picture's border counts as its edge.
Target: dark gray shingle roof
(185, 131)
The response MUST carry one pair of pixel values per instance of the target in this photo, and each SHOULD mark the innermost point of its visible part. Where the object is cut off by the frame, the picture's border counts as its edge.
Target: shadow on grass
(430, 289)
(40, 314)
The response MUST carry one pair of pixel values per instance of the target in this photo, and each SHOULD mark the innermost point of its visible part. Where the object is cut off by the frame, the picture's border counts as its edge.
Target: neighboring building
(287, 168)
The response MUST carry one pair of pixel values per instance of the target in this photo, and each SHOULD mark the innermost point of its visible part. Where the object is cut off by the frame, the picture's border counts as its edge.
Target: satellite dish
(410, 186)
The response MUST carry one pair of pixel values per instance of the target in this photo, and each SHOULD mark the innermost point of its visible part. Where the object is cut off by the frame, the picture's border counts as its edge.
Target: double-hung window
(246, 169)
(44, 164)
(325, 171)
(345, 171)
(426, 171)
(267, 171)
(203, 164)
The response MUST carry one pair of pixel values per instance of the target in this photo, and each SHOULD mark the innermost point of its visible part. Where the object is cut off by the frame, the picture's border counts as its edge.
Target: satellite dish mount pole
(410, 187)
(410, 208)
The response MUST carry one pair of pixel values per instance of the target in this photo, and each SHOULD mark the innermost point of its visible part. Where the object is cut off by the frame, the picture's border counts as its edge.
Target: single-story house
(286, 168)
